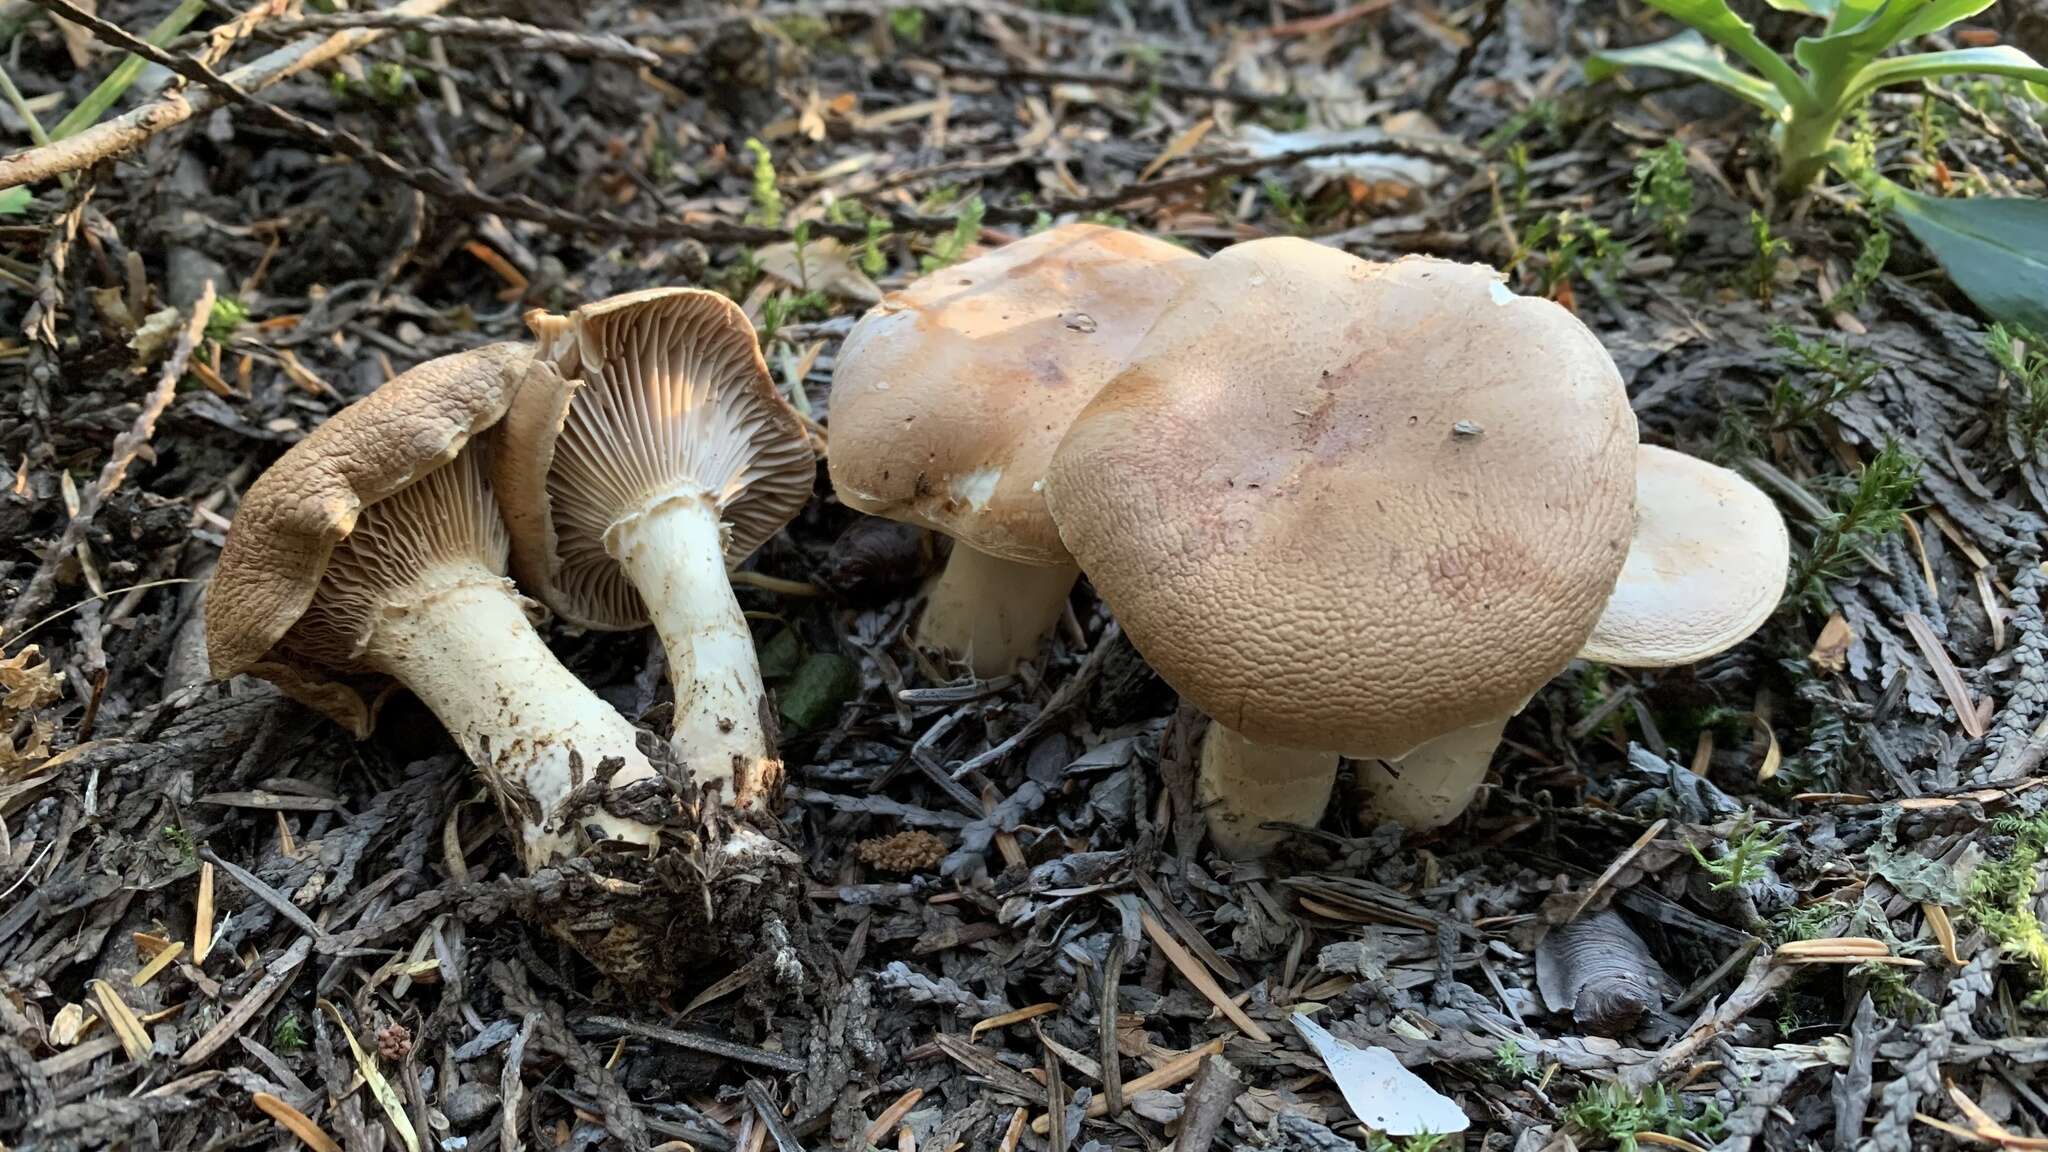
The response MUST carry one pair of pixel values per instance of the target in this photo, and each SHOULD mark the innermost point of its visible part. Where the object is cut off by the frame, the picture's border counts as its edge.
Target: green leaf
(103, 95)
(2002, 60)
(1719, 23)
(1939, 15)
(1994, 248)
(1689, 53)
(823, 683)
(14, 201)
(1820, 8)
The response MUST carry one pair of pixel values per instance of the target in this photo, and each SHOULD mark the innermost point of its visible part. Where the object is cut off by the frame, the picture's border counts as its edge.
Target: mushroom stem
(1243, 784)
(673, 552)
(463, 644)
(994, 613)
(1434, 784)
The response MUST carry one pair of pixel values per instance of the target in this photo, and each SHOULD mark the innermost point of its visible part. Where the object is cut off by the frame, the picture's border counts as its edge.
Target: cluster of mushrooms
(1347, 508)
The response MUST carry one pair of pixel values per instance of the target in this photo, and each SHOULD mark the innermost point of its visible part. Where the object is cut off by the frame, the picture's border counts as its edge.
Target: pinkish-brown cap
(1349, 506)
(629, 400)
(291, 519)
(1706, 565)
(949, 397)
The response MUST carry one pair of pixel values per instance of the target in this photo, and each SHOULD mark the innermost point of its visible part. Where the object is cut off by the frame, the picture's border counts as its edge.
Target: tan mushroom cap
(673, 393)
(292, 517)
(1350, 506)
(950, 396)
(1705, 569)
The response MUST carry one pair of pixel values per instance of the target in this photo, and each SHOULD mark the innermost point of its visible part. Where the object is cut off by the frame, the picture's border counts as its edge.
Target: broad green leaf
(2002, 60)
(14, 201)
(1994, 248)
(1849, 45)
(1941, 14)
(1820, 8)
(1719, 23)
(1688, 53)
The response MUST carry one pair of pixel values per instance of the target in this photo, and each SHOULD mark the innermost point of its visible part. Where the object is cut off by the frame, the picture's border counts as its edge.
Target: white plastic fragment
(1382, 1094)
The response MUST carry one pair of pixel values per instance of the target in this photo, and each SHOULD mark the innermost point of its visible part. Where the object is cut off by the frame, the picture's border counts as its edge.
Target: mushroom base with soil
(464, 646)
(993, 613)
(673, 553)
(1434, 784)
(1242, 785)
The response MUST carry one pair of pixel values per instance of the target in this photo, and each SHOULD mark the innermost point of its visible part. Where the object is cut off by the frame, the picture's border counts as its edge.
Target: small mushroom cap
(1352, 506)
(630, 401)
(293, 516)
(950, 396)
(1705, 568)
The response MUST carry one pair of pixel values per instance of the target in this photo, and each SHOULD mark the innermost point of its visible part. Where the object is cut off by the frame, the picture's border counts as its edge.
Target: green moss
(2002, 893)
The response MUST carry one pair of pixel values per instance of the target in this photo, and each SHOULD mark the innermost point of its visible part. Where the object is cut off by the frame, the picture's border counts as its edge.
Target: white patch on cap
(1502, 294)
(976, 488)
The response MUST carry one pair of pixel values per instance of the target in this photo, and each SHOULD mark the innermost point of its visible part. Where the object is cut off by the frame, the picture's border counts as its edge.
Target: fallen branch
(486, 29)
(131, 130)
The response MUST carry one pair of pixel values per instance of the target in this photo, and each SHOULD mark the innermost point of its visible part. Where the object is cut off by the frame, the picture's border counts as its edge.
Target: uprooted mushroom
(1367, 510)
(646, 451)
(373, 551)
(950, 396)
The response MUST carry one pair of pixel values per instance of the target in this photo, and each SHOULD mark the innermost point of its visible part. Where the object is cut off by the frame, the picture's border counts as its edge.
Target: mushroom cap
(291, 519)
(949, 397)
(1351, 506)
(630, 401)
(1706, 566)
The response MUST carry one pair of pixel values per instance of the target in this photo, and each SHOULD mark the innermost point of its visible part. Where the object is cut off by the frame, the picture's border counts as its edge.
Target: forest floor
(223, 921)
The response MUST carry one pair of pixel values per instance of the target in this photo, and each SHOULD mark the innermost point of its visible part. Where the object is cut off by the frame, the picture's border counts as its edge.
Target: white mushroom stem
(1242, 785)
(994, 613)
(673, 552)
(1434, 784)
(463, 644)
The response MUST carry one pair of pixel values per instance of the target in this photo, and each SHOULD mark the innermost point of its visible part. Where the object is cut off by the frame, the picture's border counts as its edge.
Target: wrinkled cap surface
(949, 397)
(1706, 566)
(291, 520)
(1351, 506)
(630, 401)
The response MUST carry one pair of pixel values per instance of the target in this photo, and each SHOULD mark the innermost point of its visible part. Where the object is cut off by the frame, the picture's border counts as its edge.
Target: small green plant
(1744, 856)
(1518, 175)
(766, 196)
(1661, 193)
(1832, 373)
(288, 1035)
(180, 842)
(1867, 507)
(227, 315)
(1893, 993)
(1763, 267)
(2002, 894)
(1829, 76)
(1287, 206)
(949, 248)
(1871, 258)
(2022, 356)
(872, 260)
(785, 308)
(1543, 115)
(1568, 247)
(1420, 1142)
(1512, 1062)
(907, 23)
(1804, 921)
(1613, 1113)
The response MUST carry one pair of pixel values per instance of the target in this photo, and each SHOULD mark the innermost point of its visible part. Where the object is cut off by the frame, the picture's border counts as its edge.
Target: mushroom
(646, 452)
(950, 396)
(373, 548)
(1706, 567)
(1349, 509)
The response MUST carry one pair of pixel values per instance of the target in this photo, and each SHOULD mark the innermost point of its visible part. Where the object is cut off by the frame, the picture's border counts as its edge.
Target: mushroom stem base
(464, 645)
(993, 613)
(1434, 784)
(1243, 784)
(674, 553)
